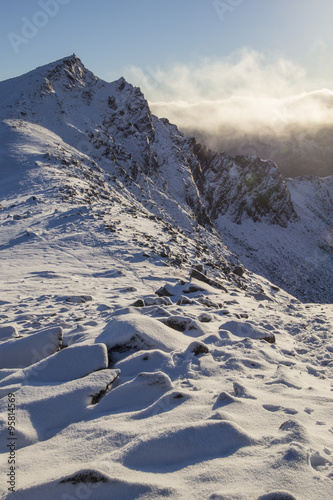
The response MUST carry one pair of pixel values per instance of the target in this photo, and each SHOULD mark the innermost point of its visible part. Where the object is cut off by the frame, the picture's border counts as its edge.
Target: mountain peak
(72, 69)
(179, 179)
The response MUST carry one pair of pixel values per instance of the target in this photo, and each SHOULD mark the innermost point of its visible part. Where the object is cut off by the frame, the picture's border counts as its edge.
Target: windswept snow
(144, 360)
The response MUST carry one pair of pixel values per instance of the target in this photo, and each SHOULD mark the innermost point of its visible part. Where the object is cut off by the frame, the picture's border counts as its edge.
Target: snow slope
(175, 177)
(279, 228)
(143, 360)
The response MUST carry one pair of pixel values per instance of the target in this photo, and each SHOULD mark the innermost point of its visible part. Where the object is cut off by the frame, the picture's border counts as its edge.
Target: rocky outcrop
(242, 187)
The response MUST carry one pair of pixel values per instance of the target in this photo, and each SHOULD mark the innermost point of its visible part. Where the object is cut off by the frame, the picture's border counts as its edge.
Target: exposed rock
(262, 296)
(277, 495)
(205, 318)
(157, 301)
(88, 476)
(241, 391)
(179, 323)
(206, 301)
(270, 338)
(212, 282)
(193, 289)
(239, 271)
(164, 291)
(184, 301)
(242, 187)
(138, 303)
(79, 299)
(199, 348)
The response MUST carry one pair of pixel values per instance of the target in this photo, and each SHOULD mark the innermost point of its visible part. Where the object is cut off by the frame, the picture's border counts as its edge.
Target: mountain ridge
(112, 124)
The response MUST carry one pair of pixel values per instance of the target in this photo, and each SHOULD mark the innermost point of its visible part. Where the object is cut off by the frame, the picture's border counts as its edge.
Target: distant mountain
(279, 228)
(297, 151)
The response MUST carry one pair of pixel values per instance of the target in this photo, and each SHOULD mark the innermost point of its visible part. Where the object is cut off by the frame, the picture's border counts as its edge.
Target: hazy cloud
(246, 104)
(244, 90)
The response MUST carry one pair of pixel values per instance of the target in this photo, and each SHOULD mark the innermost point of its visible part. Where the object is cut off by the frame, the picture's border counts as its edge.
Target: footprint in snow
(274, 408)
(319, 463)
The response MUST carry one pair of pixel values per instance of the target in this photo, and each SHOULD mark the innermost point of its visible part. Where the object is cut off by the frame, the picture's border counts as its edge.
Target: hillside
(144, 353)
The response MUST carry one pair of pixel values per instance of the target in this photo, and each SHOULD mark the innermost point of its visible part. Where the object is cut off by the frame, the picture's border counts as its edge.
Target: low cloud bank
(246, 105)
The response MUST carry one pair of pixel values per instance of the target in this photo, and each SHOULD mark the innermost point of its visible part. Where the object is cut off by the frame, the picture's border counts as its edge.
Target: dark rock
(239, 271)
(85, 477)
(277, 495)
(193, 289)
(136, 343)
(209, 303)
(198, 276)
(244, 187)
(199, 267)
(200, 349)
(212, 282)
(164, 291)
(178, 323)
(158, 301)
(112, 103)
(96, 398)
(79, 299)
(177, 261)
(225, 399)
(261, 296)
(138, 303)
(270, 339)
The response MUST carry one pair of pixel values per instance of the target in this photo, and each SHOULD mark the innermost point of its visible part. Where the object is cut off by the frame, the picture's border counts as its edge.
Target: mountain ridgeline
(269, 222)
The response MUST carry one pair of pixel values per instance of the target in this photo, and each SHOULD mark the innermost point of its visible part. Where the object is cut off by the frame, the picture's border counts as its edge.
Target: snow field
(134, 379)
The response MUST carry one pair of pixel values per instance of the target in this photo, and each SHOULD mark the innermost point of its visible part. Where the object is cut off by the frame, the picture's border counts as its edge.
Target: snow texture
(146, 349)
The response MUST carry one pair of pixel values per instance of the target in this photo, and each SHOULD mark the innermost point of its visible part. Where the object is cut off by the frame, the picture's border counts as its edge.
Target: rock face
(191, 188)
(242, 187)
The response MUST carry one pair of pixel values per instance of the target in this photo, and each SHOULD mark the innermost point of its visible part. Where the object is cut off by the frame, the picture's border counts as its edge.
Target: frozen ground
(133, 376)
(178, 398)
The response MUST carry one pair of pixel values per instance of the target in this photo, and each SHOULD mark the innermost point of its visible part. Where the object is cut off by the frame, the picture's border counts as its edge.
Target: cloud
(245, 99)
(244, 89)
(243, 73)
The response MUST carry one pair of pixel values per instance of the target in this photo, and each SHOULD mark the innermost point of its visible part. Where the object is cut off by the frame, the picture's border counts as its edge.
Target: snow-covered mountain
(301, 149)
(279, 228)
(141, 341)
(179, 179)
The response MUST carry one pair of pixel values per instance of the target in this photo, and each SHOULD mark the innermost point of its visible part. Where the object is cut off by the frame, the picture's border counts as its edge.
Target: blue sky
(213, 61)
(112, 35)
